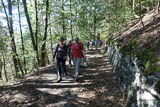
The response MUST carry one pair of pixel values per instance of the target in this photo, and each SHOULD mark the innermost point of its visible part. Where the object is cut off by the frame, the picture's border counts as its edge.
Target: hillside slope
(142, 41)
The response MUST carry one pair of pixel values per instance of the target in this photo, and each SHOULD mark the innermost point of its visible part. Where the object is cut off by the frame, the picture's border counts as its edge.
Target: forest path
(96, 87)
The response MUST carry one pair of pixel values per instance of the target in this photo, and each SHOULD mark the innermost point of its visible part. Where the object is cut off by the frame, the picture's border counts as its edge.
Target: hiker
(92, 43)
(61, 55)
(100, 43)
(96, 43)
(69, 52)
(88, 43)
(77, 55)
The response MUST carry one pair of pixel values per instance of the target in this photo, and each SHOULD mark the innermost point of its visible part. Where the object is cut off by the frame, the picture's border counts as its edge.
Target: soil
(96, 87)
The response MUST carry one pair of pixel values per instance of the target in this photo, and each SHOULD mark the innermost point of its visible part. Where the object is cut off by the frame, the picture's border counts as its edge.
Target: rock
(127, 72)
(151, 80)
(157, 74)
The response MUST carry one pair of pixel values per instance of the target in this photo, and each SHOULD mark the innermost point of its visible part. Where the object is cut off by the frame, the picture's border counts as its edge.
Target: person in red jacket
(77, 55)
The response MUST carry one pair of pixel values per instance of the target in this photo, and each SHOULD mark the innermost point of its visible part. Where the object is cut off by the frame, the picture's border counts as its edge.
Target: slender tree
(36, 33)
(94, 19)
(71, 19)
(43, 50)
(133, 6)
(22, 41)
(31, 30)
(10, 27)
(140, 13)
(1, 65)
(4, 66)
(158, 4)
(63, 23)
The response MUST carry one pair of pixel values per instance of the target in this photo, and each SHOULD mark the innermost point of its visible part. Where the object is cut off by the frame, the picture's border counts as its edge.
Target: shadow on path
(96, 87)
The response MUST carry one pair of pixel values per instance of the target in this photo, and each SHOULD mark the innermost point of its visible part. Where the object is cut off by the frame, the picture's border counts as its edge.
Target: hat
(76, 38)
(61, 39)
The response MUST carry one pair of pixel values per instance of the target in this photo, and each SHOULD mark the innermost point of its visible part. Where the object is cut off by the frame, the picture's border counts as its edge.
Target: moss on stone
(158, 68)
(129, 48)
(158, 86)
(146, 55)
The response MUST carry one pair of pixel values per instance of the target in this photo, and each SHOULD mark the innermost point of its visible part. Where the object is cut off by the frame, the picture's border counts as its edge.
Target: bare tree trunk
(43, 50)
(76, 22)
(133, 6)
(31, 31)
(63, 25)
(12, 35)
(4, 66)
(94, 20)
(71, 18)
(140, 12)
(158, 4)
(36, 33)
(20, 26)
(1, 65)
(51, 42)
(153, 3)
(10, 27)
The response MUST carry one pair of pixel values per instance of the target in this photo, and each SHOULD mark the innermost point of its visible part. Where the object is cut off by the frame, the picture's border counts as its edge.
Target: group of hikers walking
(95, 43)
(75, 53)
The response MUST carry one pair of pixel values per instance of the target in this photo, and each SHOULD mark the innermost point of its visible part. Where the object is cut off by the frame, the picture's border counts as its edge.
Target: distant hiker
(100, 43)
(77, 53)
(69, 52)
(88, 43)
(61, 55)
(92, 43)
(96, 43)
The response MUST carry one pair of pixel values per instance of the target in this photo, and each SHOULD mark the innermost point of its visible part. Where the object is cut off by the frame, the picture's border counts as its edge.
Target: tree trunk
(71, 18)
(20, 26)
(94, 20)
(4, 66)
(158, 4)
(10, 27)
(51, 42)
(140, 12)
(63, 25)
(31, 31)
(1, 66)
(36, 32)
(133, 6)
(43, 50)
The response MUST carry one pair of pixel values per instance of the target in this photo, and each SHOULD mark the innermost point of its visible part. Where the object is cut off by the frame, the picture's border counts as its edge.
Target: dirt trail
(96, 87)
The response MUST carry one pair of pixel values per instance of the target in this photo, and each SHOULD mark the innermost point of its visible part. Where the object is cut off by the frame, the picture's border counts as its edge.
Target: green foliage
(147, 56)
(129, 49)
(158, 68)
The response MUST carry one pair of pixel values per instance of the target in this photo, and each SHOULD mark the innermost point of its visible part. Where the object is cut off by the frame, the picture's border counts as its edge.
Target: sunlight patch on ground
(50, 91)
(87, 94)
(93, 56)
(33, 77)
(19, 97)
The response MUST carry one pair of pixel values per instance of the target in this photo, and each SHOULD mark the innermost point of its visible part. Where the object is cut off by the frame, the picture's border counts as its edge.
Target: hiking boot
(76, 79)
(65, 74)
(59, 80)
(70, 65)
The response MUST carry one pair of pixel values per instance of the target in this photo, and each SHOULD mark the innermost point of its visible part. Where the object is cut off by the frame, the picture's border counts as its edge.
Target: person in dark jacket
(88, 43)
(61, 55)
(69, 52)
